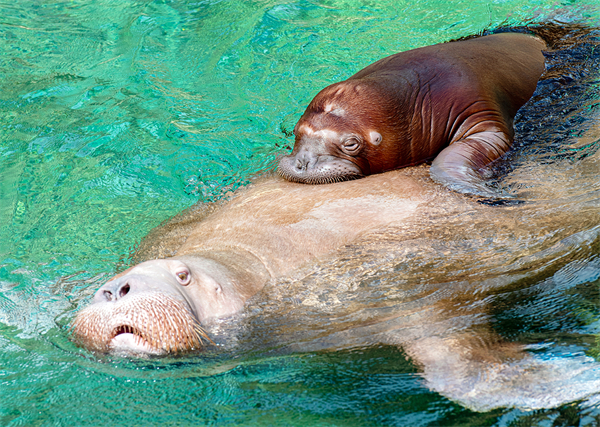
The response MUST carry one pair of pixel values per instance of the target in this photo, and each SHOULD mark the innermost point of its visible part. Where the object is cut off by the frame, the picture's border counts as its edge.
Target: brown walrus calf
(453, 101)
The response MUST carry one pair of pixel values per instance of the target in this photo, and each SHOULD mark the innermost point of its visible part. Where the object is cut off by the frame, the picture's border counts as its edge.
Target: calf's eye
(351, 145)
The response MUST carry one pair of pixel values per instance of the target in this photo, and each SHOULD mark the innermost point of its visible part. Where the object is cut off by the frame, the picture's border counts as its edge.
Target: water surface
(118, 115)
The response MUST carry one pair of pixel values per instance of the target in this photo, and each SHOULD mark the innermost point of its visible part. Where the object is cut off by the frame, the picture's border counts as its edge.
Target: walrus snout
(320, 170)
(141, 323)
(304, 160)
(113, 290)
(131, 284)
(307, 167)
(144, 310)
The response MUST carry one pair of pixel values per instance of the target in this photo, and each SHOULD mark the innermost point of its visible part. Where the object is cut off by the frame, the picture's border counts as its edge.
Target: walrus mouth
(148, 323)
(129, 339)
(317, 177)
(126, 329)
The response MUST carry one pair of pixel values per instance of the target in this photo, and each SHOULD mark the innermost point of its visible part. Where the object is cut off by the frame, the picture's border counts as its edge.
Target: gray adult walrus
(275, 229)
(454, 102)
(265, 232)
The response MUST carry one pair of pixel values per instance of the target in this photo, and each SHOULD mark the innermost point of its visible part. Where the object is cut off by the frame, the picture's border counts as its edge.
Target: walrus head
(335, 138)
(157, 307)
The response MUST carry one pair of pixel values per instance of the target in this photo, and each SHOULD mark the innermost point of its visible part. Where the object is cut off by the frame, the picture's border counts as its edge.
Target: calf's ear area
(375, 138)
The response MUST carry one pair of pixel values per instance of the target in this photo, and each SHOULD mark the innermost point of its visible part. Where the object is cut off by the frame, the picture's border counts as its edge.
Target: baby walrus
(454, 102)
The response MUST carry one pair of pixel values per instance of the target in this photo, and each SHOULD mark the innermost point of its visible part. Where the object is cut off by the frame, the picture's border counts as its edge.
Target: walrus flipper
(488, 374)
(459, 165)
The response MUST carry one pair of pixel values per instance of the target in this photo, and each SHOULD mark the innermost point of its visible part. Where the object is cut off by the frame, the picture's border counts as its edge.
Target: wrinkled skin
(454, 102)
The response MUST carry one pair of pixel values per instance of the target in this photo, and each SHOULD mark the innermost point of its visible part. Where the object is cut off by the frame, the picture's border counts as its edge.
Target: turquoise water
(116, 115)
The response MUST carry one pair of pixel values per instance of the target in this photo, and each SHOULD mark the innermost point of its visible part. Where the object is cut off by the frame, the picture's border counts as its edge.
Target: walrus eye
(351, 146)
(183, 277)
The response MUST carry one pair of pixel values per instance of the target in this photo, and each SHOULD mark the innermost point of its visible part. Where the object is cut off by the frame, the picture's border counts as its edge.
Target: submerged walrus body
(454, 102)
(275, 233)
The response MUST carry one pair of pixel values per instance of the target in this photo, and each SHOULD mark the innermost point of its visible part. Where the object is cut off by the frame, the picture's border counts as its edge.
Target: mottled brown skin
(452, 100)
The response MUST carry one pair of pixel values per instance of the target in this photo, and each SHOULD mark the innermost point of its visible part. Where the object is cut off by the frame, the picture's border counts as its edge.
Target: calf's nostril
(108, 295)
(300, 164)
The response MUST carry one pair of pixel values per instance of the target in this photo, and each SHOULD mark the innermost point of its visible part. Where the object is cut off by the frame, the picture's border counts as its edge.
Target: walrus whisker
(177, 332)
(202, 334)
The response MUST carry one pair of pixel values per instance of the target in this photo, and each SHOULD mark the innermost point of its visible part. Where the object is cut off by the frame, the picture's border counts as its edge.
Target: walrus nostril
(300, 165)
(108, 295)
(124, 290)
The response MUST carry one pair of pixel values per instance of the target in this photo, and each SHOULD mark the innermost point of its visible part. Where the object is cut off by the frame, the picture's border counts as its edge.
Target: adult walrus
(269, 231)
(453, 101)
(263, 233)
